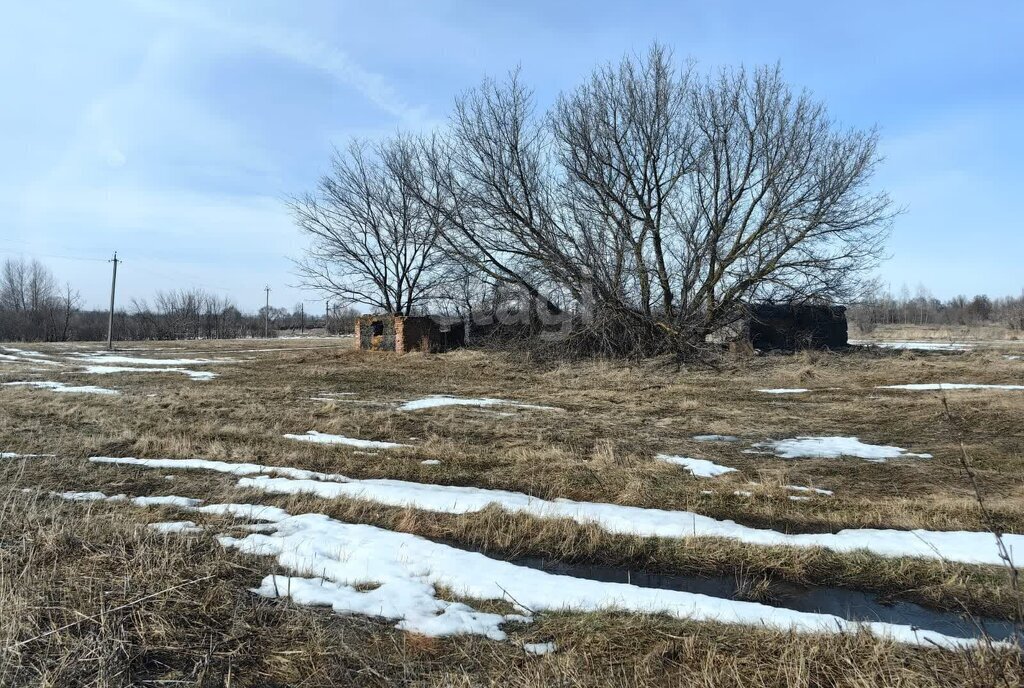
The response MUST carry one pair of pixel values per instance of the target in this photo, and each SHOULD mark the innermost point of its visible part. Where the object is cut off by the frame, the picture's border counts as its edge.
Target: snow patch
(801, 488)
(949, 386)
(702, 468)
(832, 448)
(105, 359)
(323, 438)
(914, 346)
(183, 527)
(221, 467)
(784, 390)
(88, 496)
(430, 462)
(167, 500)
(969, 547)
(62, 387)
(538, 649)
(439, 400)
(716, 438)
(409, 569)
(108, 370)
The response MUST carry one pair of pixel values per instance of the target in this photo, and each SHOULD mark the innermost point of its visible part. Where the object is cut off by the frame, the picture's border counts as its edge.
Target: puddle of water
(848, 604)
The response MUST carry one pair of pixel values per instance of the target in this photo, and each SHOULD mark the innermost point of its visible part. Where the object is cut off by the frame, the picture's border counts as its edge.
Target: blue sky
(173, 130)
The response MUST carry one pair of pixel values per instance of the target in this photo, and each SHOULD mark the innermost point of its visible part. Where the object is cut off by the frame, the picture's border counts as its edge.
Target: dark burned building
(405, 333)
(790, 327)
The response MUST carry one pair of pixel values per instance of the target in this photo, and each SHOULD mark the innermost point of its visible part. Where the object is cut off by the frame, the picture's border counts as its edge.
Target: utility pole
(266, 315)
(302, 318)
(110, 316)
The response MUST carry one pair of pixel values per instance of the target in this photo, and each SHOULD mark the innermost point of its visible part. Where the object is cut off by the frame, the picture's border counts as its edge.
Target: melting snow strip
(104, 359)
(949, 386)
(323, 438)
(970, 547)
(439, 400)
(794, 390)
(108, 370)
(805, 447)
(716, 438)
(15, 455)
(62, 387)
(23, 356)
(702, 468)
(801, 488)
(347, 556)
(914, 346)
(221, 467)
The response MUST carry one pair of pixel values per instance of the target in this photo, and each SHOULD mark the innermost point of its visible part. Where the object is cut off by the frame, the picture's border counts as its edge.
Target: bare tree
(29, 301)
(658, 198)
(373, 242)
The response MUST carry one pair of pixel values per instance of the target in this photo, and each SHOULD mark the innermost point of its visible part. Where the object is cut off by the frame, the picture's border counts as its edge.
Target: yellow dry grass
(82, 560)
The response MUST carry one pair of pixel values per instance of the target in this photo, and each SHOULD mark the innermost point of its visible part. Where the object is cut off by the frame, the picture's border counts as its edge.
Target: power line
(51, 255)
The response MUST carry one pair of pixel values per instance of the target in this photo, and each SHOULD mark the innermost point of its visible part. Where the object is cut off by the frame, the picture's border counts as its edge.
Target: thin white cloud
(300, 48)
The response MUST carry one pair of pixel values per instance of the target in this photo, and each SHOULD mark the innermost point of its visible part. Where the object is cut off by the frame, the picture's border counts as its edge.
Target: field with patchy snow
(286, 512)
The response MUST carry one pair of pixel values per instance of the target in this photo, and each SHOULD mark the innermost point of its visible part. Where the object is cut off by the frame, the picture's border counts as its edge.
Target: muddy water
(848, 604)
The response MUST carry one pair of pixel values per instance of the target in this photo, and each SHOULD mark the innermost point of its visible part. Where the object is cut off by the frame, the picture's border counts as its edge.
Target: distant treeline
(924, 309)
(35, 307)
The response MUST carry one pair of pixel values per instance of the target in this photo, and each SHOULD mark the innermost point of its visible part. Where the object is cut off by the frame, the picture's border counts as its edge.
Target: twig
(108, 611)
(1004, 552)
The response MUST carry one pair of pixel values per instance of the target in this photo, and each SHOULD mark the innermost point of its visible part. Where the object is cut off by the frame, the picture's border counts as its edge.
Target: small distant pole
(266, 315)
(110, 315)
(302, 318)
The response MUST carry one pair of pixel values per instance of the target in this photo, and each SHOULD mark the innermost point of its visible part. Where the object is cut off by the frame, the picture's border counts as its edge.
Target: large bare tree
(654, 200)
(655, 196)
(372, 241)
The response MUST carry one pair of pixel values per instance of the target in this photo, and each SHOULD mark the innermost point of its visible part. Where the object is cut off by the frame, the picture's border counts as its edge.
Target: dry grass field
(89, 595)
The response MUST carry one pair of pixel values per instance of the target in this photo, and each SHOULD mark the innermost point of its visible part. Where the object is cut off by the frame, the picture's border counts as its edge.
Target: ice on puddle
(702, 468)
